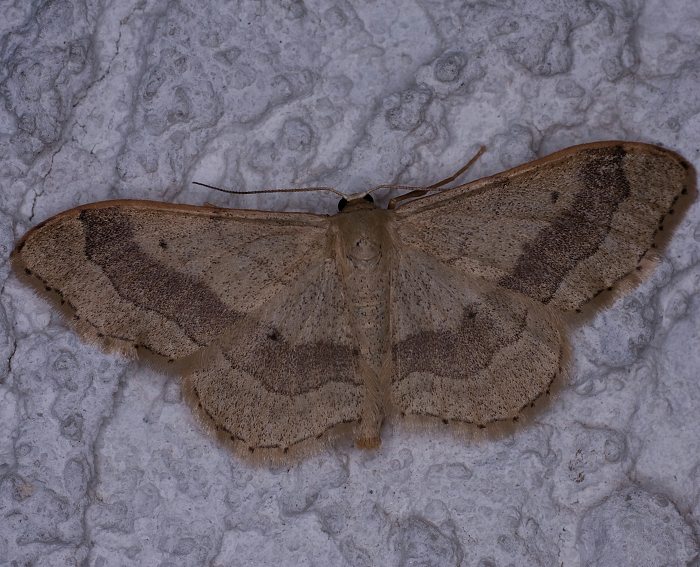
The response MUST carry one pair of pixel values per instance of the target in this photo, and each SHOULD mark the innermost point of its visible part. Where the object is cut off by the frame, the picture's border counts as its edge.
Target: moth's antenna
(280, 190)
(397, 187)
(454, 176)
(420, 191)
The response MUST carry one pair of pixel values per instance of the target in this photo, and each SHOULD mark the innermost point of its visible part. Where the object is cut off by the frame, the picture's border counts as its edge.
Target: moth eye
(368, 198)
(342, 203)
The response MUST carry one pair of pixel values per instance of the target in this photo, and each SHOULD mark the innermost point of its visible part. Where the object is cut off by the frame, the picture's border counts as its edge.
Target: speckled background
(102, 464)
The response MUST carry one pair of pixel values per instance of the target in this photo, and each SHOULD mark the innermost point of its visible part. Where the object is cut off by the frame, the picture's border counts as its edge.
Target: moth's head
(356, 202)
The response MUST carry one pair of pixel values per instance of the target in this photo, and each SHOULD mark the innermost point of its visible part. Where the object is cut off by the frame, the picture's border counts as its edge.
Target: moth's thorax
(363, 239)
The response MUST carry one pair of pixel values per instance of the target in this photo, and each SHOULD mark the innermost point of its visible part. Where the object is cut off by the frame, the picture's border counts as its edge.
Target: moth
(290, 329)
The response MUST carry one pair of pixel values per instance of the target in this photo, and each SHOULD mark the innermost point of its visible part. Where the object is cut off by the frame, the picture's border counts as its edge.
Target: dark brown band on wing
(578, 232)
(292, 370)
(147, 283)
(461, 353)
